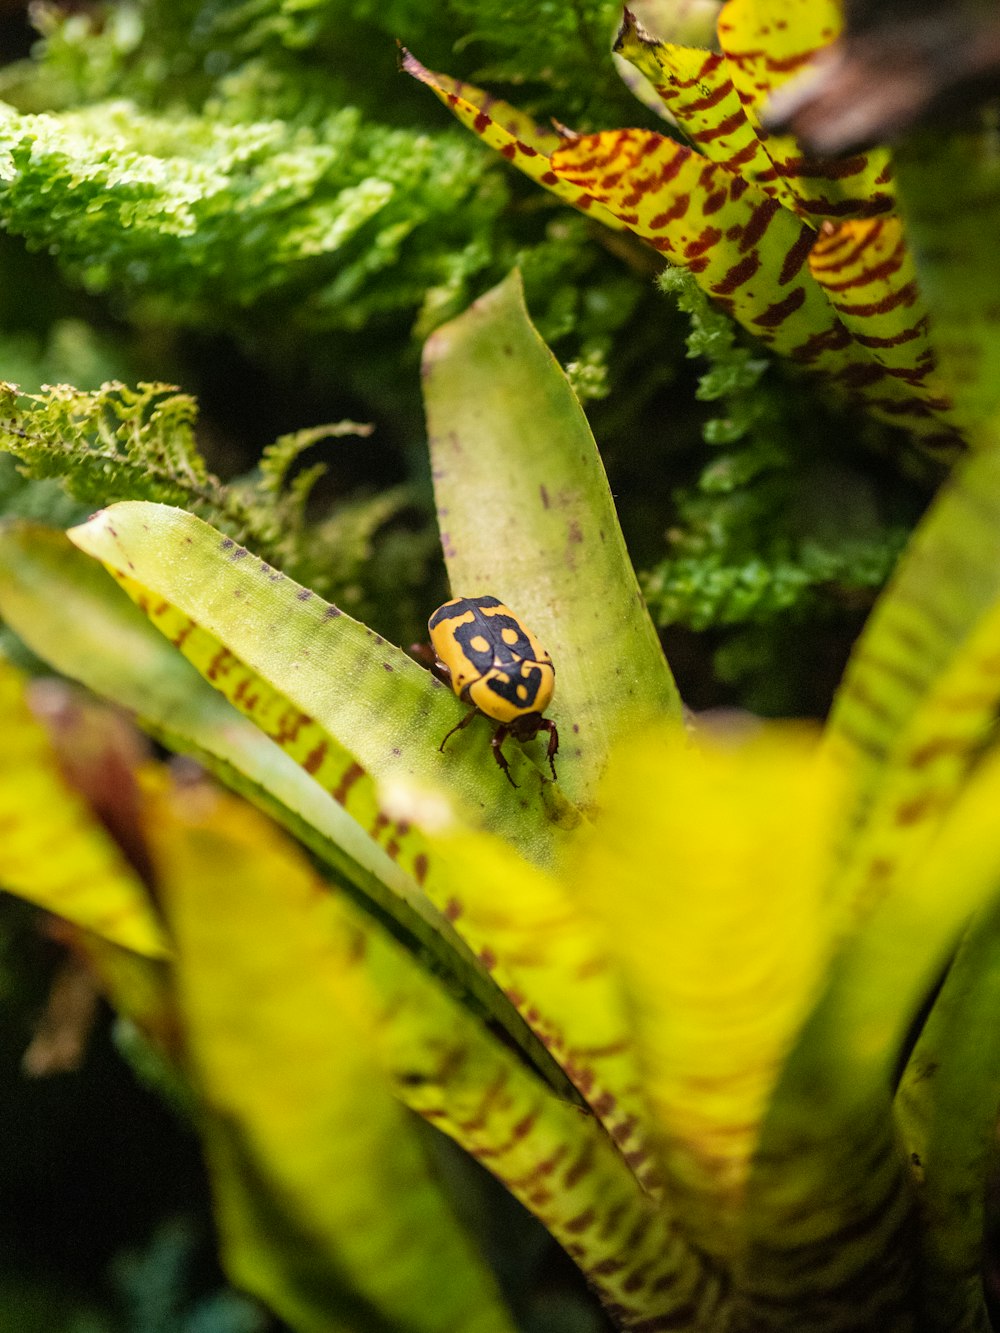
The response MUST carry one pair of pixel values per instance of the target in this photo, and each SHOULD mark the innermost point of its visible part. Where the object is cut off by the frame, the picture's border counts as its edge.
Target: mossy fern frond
(762, 536)
(123, 443)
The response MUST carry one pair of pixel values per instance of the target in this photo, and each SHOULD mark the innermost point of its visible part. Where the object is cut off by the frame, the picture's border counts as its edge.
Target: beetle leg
(426, 656)
(553, 748)
(496, 745)
(458, 727)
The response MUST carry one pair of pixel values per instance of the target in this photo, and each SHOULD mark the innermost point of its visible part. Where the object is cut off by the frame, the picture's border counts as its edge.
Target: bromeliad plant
(664, 1000)
(811, 256)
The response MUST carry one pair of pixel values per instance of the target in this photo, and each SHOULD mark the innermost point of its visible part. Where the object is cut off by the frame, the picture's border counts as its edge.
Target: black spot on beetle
(332, 612)
(226, 544)
(387, 667)
(303, 594)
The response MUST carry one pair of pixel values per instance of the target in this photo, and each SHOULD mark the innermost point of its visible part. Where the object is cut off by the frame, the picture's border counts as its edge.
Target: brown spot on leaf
(315, 757)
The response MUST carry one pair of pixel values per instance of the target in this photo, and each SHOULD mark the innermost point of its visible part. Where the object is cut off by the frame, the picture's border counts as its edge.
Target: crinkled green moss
(117, 443)
(780, 523)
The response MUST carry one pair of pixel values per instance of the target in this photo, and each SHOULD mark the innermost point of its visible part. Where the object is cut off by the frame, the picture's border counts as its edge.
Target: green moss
(781, 521)
(117, 443)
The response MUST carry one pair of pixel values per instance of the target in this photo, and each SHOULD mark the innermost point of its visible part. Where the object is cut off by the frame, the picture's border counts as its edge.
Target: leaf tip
(631, 34)
(409, 64)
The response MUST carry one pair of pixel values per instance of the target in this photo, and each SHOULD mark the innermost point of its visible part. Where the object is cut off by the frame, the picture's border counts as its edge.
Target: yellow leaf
(327, 1207)
(707, 870)
(52, 850)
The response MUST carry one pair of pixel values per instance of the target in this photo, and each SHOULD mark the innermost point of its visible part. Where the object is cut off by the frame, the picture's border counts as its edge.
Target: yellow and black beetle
(494, 662)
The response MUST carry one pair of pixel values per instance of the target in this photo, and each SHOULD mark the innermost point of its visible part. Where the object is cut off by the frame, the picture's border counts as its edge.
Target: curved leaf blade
(749, 255)
(542, 949)
(310, 739)
(108, 644)
(559, 1161)
(513, 134)
(920, 693)
(830, 1211)
(348, 706)
(866, 268)
(327, 1207)
(697, 89)
(526, 514)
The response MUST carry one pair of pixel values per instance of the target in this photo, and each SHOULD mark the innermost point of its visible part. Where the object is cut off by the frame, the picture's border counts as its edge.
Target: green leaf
(109, 644)
(946, 1104)
(830, 1210)
(328, 689)
(542, 948)
(919, 696)
(526, 515)
(563, 1164)
(327, 1207)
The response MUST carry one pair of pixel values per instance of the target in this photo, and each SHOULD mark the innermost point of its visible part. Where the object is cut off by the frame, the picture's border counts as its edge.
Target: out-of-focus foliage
(711, 980)
(204, 159)
(778, 521)
(115, 442)
(261, 173)
(135, 47)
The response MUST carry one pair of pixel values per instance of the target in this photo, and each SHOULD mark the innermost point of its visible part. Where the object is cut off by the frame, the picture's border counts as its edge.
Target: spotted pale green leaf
(324, 686)
(107, 643)
(392, 882)
(327, 1208)
(394, 825)
(53, 851)
(527, 516)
